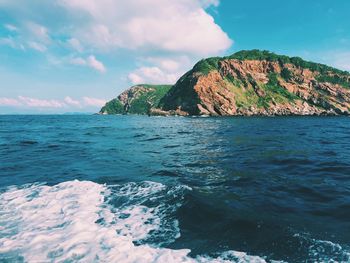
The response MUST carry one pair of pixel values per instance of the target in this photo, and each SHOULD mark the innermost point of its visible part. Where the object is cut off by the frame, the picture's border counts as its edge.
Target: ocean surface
(154, 189)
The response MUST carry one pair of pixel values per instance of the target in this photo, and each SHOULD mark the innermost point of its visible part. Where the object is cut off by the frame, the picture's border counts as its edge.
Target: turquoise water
(148, 189)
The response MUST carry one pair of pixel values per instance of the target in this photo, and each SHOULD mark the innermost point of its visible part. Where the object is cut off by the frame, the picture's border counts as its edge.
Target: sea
(174, 189)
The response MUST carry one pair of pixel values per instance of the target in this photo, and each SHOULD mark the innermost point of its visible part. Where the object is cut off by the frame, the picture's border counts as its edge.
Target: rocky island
(246, 83)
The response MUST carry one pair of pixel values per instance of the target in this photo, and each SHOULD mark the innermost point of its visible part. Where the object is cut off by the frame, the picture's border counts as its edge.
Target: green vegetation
(297, 61)
(229, 78)
(113, 107)
(286, 74)
(248, 91)
(206, 65)
(182, 94)
(264, 102)
(246, 97)
(334, 80)
(277, 92)
(258, 55)
(274, 92)
(141, 104)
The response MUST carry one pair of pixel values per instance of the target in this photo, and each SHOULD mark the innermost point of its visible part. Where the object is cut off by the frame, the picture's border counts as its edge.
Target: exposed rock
(269, 86)
(159, 112)
(246, 83)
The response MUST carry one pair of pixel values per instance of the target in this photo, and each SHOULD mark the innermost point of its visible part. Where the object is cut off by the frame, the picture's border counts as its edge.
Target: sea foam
(324, 251)
(82, 221)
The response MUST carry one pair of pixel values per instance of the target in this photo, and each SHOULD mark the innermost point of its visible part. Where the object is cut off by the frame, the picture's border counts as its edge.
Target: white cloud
(170, 65)
(180, 26)
(165, 63)
(136, 78)
(78, 61)
(153, 75)
(173, 63)
(175, 26)
(88, 101)
(38, 33)
(40, 103)
(11, 42)
(69, 101)
(11, 27)
(75, 44)
(160, 70)
(28, 35)
(37, 46)
(90, 61)
(162, 37)
(9, 102)
(8, 41)
(95, 64)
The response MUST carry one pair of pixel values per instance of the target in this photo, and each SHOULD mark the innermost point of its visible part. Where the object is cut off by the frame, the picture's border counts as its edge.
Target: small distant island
(246, 83)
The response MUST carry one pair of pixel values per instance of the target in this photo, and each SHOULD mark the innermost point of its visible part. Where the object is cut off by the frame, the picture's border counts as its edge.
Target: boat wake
(82, 221)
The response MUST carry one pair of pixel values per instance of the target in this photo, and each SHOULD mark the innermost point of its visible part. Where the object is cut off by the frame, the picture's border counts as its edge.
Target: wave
(82, 221)
(323, 251)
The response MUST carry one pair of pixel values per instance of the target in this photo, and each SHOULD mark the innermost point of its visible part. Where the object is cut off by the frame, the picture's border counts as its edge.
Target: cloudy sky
(72, 55)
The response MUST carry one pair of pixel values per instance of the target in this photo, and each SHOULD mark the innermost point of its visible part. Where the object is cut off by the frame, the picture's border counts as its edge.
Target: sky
(61, 56)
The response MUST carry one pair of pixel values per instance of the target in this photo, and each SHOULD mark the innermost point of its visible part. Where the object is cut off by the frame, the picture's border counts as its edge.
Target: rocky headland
(244, 84)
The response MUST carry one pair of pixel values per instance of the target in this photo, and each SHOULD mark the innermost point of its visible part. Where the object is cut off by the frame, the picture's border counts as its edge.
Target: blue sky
(72, 55)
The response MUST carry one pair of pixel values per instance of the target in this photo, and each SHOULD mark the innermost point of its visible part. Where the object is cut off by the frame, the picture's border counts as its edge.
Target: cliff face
(136, 100)
(246, 83)
(260, 83)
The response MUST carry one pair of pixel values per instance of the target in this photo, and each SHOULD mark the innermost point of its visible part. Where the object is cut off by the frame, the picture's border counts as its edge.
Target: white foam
(75, 222)
(324, 251)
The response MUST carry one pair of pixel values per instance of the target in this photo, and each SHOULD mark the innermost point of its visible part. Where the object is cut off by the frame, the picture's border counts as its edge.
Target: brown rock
(242, 87)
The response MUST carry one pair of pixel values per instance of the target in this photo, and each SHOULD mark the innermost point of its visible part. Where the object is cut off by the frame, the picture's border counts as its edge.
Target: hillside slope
(136, 100)
(260, 83)
(246, 83)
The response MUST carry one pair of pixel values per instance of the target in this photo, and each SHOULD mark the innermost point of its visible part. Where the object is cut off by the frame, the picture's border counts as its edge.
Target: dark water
(276, 188)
